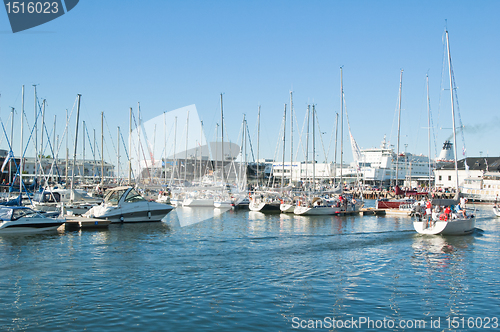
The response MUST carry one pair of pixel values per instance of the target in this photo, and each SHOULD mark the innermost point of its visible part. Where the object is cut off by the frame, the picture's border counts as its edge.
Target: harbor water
(201, 270)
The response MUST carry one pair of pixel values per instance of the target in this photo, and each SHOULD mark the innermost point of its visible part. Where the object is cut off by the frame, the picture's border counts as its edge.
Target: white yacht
(125, 204)
(21, 219)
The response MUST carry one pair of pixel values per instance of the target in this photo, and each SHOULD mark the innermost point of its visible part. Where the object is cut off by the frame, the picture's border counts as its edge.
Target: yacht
(125, 204)
(21, 219)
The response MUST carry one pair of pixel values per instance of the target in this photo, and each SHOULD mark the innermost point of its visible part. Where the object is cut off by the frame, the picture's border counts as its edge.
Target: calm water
(244, 271)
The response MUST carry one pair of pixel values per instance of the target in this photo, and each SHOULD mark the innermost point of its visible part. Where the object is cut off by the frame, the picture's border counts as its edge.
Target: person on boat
(428, 209)
(447, 212)
(418, 212)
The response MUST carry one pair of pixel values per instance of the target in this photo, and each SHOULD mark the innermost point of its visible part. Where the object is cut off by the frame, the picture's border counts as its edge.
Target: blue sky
(170, 54)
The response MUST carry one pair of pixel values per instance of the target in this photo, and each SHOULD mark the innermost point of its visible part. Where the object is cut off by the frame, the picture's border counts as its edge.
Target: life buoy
(353, 201)
(443, 217)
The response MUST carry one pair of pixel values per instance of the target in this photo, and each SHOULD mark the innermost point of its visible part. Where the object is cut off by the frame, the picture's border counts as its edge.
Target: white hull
(264, 207)
(496, 211)
(195, 202)
(223, 204)
(287, 208)
(315, 211)
(459, 226)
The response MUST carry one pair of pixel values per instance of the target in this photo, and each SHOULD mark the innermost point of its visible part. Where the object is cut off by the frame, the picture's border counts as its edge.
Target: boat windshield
(26, 213)
(133, 196)
(5, 214)
(113, 197)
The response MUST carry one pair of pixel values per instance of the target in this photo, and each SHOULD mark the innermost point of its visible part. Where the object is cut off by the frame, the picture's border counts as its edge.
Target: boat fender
(122, 219)
(149, 214)
(298, 203)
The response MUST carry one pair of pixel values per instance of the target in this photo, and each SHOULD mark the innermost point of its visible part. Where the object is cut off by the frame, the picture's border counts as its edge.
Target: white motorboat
(125, 204)
(51, 199)
(21, 219)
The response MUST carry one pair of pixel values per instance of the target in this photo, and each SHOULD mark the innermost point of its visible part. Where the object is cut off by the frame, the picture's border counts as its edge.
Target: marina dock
(76, 222)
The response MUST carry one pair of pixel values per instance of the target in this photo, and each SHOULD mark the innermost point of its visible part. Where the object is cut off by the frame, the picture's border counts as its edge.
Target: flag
(6, 161)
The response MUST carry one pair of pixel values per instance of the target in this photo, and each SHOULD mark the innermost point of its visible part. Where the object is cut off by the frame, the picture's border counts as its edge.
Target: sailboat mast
(165, 145)
(67, 150)
(291, 137)
(83, 151)
(35, 138)
(102, 148)
(307, 144)
(452, 110)
(175, 145)
(341, 131)
(186, 155)
(314, 147)
(76, 141)
(222, 135)
(11, 138)
(429, 128)
(118, 156)
(284, 137)
(258, 144)
(129, 147)
(43, 126)
(399, 126)
(93, 166)
(21, 167)
(201, 146)
(335, 153)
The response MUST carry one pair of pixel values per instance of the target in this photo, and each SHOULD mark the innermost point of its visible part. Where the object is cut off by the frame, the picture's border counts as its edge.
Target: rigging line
(461, 130)
(250, 142)
(301, 143)
(320, 136)
(109, 132)
(125, 148)
(17, 167)
(278, 145)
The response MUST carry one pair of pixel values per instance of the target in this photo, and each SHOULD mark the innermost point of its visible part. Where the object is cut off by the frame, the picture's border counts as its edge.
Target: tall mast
(429, 128)
(35, 137)
(201, 146)
(222, 135)
(258, 144)
(335, 153)
(138, 140)
(175, 145)
(54, 146)
(129, 147)
(186, 155)
(284, 136)
(11, 138)
(118, 153)
(314, 147)
(291, 137)
(76, 141)
(67, 150)
(341, 130)
(21, 167)
(102, 148)
(165, 144)
(43, 126)
(307, 144)
(93, 167)
(399, 125)
(452, 109)
(83, 152)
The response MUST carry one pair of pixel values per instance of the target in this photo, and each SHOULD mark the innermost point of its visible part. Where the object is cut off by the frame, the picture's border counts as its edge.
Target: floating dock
(75, 223)
(372, 211)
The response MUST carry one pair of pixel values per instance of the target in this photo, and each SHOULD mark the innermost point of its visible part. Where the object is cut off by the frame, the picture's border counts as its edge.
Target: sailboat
(449, 224)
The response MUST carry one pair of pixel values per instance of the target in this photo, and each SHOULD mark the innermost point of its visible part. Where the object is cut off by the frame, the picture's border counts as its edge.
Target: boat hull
(23, 226)
(441, 227)
(287, 208)
(195, 202)
(496, 211)
(265, 207)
